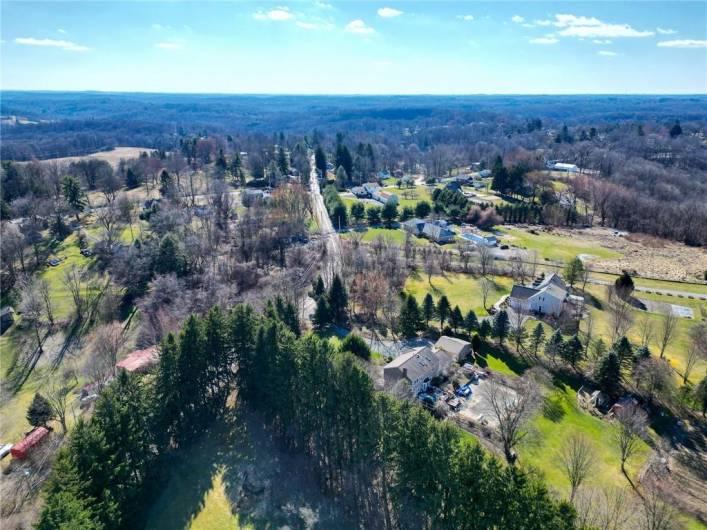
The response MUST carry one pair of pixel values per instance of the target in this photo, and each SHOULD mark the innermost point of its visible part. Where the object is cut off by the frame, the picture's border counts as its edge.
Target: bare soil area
(646, 255)
(113, 157)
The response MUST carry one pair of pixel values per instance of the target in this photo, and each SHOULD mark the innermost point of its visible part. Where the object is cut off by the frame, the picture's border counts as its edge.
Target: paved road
(333, 242)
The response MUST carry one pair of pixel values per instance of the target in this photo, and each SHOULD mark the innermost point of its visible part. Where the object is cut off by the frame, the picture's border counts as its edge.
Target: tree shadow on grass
(265, 485)
(516, 365)
(553, 408)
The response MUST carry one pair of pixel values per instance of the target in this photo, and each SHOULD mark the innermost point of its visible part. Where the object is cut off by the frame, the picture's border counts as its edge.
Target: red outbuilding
(21, 449)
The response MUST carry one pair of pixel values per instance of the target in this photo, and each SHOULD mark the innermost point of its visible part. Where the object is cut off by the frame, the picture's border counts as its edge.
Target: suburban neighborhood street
(333, 242)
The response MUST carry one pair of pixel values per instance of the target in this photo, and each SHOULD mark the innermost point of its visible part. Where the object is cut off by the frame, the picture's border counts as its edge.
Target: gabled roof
(417, 362)
(451, 344)
(436, 232)
(523, 293)
(552, 279)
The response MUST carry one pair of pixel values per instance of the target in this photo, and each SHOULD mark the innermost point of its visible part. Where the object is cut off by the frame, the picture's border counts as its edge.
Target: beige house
(418, 366)
(456, 349)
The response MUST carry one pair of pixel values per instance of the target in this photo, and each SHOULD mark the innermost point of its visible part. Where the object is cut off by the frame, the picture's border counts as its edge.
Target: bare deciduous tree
(45, 295)
(620, 317)
(58, 394)
(632, 425)
(696, 350)
(485, 290)
(646, 327)
(653, 377)
(576, 460)
(73, 281)
(106, 341)
(657, 514)
(485, 259)
(510, 409)
(604, 509)
(32, 309)
(667, 329)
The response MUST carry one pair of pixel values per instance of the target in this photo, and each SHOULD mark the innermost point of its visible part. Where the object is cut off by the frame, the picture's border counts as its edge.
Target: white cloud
(544, 40)
(62, 31)
(52, 43)
(663, 31)
(468, 18)
(323, 5)
(600, 41)
(517, 19)
(359, 26)
(278, 14)
(389, 12)
(591, 27)
(607, 53)
(171, 46)
(542, 22)
(306, 25)
(686, 43)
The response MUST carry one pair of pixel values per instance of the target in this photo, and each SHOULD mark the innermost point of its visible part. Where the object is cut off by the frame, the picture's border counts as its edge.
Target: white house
(480, 239)
(546, 298)
(561, 166)
(418, 366)
(384, 197)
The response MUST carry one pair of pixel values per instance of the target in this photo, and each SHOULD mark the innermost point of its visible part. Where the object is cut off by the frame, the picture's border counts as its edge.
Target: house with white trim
(546, 298)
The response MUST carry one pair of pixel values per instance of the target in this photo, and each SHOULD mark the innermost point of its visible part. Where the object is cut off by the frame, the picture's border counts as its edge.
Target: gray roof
(418, 362)
(436, 232)
(522, 293)
(552, 279)
(451, 344)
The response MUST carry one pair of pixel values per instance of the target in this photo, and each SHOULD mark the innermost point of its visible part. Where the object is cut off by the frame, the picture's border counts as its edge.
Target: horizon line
(360, 94)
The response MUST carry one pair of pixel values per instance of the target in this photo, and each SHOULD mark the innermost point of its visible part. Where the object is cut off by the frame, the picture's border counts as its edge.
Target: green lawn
(553, 247)
(559, 418)
(410, 197)
(396, 235)
(216, 511)
(461, 289)
(70, 255)
(676, 352)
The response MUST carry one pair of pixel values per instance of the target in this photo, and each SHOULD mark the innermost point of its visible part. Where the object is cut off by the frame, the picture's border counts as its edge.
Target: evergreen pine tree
(501, 326)
(39, 411)
(443, 309)
(410, 321)
(74, 195)
(485, 328)
(471, 322)
(428, 309)
(456, 318)
(572, 351)
(554, 345)
(338, 300)
(322, 314)
(536, 339)
(608, 374)
(319, 288)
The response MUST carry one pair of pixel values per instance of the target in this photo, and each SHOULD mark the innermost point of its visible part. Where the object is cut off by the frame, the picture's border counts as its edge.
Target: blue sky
(324, 46)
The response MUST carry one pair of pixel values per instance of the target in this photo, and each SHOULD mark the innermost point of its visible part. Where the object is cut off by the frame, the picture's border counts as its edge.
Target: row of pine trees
(392, 462)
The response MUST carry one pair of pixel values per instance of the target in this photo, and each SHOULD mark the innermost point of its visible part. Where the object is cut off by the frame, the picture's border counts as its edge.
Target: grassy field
(410, 197)
(113, 156)
(69, 253)
(552, 246)
(676, 351)
(396, 235)
(559, 418)
(461, 289)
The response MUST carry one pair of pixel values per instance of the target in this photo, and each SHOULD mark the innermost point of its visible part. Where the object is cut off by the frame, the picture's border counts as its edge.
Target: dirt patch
(648, 256)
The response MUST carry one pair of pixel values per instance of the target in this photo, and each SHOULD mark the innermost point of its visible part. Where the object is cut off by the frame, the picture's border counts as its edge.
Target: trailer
(21, 449)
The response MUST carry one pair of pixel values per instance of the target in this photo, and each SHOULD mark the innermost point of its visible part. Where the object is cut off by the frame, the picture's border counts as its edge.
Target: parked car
(86, 252)
(463, 391)
(53, 262)
(427, 399)
(504, 247)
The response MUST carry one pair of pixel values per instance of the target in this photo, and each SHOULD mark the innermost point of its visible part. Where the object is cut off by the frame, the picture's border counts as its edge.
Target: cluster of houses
(371, 190)
(455, 183)
(421, 365)
(546, 296)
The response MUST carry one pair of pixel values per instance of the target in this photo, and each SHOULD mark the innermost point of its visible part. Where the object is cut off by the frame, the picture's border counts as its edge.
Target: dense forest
(642, 160)
(394, 463)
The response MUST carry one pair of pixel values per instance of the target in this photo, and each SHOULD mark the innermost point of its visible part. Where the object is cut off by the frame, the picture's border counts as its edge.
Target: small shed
(140, 360)
(7, 317)
(21, 449)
